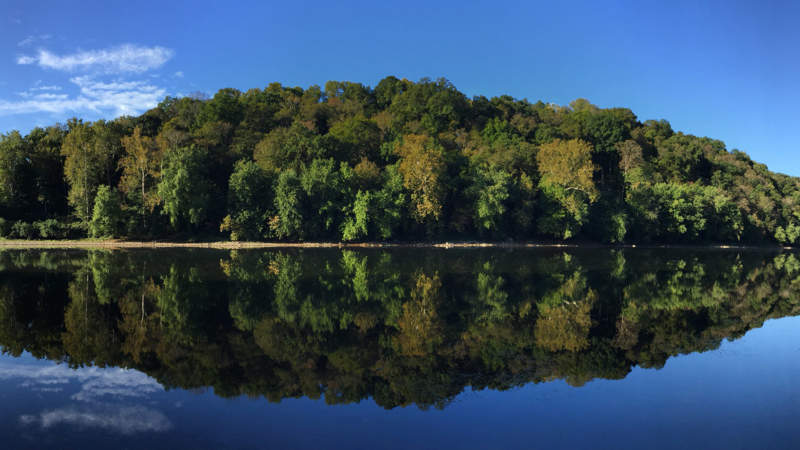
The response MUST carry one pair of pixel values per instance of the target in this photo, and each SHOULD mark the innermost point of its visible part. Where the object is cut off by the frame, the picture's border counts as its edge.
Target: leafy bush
(22, 230)
(50, 229)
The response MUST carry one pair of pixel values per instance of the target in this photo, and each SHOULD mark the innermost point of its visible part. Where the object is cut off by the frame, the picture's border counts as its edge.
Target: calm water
(400, 349)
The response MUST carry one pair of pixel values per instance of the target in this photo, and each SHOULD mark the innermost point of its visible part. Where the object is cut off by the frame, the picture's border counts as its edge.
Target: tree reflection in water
(398, 326)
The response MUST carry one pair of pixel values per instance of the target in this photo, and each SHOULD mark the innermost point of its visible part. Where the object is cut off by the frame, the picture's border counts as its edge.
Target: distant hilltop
(402, 161)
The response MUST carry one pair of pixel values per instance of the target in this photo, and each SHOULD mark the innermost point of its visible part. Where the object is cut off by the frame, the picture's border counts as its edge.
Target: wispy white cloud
(125, 420)
(126, 58)
(39, 90)
(25, 60)
(46, 88)
(43, 95)
(100, 83)
(33, 39)
(178, 74)
(124, 97)
(116, 97)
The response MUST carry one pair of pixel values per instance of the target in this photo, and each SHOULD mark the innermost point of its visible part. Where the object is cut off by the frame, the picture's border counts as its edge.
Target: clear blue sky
(728, 70)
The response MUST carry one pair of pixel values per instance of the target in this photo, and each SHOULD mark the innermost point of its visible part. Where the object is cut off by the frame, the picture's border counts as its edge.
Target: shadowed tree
(16, 175)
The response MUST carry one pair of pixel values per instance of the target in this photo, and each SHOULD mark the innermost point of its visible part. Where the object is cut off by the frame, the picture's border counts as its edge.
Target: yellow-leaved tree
(422, 167)
(567, 186)
(140, 166)
(568, 164)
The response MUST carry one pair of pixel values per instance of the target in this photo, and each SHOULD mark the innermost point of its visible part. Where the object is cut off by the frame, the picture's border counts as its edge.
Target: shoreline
(233, 245)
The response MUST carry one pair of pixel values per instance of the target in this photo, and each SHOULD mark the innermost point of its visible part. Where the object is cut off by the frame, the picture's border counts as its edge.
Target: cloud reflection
(95, 383)
(125, 420)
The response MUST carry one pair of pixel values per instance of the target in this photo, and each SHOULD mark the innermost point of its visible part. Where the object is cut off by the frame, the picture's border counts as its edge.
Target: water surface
(437, 348)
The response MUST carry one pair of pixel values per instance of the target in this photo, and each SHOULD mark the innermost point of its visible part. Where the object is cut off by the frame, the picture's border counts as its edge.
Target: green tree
(250, 202)
(288, 221)
(287, 148)
(490, 191)
(84, 168)
(184, 187)
(682, 213)
(107, 141)
(376, 213)
(106, 214)
(16, 174)
(356, 223)
(325, 193)
(357, 138)
(48, 165)
(683, 158)
(223, 107)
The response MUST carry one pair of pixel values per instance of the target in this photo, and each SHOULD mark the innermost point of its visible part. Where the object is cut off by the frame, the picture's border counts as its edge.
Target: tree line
(401, 161)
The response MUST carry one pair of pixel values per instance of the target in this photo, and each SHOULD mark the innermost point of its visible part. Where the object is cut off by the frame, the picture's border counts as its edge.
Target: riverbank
(232, 245)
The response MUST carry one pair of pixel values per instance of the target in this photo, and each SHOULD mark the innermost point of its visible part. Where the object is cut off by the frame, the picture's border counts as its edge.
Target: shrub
(50, 229)
(22, 230)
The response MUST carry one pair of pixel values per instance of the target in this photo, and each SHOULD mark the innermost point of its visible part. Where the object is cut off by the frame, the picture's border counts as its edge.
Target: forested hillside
(402, 161)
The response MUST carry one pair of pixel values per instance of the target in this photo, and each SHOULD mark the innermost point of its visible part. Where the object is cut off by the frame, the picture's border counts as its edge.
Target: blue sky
(728, 70)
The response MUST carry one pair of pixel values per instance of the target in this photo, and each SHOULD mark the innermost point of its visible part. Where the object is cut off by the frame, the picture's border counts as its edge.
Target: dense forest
(397, 327)
(402, 161)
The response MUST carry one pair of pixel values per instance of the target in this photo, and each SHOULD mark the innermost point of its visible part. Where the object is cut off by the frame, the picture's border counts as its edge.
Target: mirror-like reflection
(397, 327)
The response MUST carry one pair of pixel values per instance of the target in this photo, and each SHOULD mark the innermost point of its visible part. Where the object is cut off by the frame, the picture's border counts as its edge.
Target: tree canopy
(404, 161)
